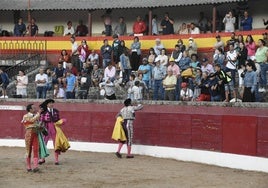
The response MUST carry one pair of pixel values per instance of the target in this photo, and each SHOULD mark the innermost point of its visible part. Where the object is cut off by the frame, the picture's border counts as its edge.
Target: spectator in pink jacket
(251, 46)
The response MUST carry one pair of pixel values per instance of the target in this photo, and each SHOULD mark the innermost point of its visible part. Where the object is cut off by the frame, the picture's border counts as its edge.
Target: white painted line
(11, 107)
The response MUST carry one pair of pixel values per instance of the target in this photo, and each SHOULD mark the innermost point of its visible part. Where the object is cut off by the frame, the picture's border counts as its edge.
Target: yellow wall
(59, 43)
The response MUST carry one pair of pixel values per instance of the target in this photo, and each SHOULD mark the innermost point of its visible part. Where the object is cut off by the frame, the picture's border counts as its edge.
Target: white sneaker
(2, 97)
(6, 97)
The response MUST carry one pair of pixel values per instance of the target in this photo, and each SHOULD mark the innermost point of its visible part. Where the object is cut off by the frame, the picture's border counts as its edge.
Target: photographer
(229, 22)
(167, 25)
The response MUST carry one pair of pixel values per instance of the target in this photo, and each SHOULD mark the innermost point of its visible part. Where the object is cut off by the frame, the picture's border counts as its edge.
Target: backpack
(225, 77)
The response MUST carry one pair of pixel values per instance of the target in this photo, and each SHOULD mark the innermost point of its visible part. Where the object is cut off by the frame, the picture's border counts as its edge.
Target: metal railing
(21, 49)
(27, 65)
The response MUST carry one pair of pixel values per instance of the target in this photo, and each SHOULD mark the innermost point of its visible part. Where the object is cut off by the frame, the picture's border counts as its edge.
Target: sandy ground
(100, 170)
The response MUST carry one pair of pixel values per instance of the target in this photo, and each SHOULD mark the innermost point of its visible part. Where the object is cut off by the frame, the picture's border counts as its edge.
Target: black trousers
(248, 96)
(135, 61)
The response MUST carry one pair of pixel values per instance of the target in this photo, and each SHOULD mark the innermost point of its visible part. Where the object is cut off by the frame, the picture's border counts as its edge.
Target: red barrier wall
(235, 130)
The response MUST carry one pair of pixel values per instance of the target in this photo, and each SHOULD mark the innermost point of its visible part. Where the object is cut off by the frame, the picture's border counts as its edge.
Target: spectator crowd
(236, 70)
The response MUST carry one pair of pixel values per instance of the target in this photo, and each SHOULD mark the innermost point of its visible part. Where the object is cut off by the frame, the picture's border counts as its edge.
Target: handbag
(44, 131)
(187, 73)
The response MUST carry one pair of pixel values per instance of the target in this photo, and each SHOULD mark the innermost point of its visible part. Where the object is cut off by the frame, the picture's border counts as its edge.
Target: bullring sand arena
(103, 170)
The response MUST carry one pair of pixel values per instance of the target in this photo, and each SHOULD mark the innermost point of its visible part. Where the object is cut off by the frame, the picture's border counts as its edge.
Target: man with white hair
(192, 47)
(169, 84)
(158, 46)
(41, 81)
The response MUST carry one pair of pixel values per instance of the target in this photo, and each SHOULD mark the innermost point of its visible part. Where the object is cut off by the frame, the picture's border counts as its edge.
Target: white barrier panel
(235, 161)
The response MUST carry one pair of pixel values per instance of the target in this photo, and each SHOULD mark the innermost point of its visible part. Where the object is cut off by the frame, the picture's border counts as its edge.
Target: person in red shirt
(73, 69)
(139, 26)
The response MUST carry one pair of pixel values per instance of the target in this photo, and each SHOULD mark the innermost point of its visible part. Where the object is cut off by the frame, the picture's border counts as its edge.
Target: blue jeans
(41, 92)
(158, 89)
(216, 98)
(105, 62)
(256, 93)
(126, 75)
(147, 82)
(263, 78)
(178, 89)
(70, 95)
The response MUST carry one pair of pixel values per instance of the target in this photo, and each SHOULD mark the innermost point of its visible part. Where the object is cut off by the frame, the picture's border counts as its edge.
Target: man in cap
(146, 70)
(186, 94)
(176, 72)
(49, 116)
(158, 73)
(206, 66)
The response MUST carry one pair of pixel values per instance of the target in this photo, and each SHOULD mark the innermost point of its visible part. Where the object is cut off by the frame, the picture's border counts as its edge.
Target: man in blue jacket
(246, 22)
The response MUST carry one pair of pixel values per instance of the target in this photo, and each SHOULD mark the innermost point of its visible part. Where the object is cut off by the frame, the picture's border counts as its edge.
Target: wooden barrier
(228, 129)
